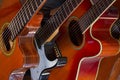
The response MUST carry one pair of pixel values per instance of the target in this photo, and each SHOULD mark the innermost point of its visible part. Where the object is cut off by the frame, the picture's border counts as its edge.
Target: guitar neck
(56, 20)
(115, 30)
(23, 16)
(93, 14)
(64, 12)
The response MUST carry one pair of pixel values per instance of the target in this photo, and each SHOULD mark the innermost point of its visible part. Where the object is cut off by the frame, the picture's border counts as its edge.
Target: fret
(29, 11)
(59, 20)
(30, 8)
(23, 16)
(63, 13)
(70, 6)
(12, 30)
(26, 13)
(16, 25)
(91, 15)
(63, 10)
(95, 11)
(21, 12)
(56, 21)
(58, 17)
(31, 4)
(67, 8)
(20, 22)
(36, 4)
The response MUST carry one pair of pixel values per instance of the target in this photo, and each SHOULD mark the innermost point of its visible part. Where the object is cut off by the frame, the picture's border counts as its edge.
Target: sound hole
(6, 37)
(75, 33)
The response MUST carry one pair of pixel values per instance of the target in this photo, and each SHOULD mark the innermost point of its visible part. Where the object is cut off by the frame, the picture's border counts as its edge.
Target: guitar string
(5, 38)
(7, 30)
(47, 27)
(18, 22)
(1, 40)
(85, 19)
(44, 30)
(62, 8)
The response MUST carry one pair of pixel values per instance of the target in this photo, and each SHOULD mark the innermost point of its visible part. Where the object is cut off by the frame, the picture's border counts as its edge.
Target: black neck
(23, 16)
(93, 13)
(115, 30)
(54, 22)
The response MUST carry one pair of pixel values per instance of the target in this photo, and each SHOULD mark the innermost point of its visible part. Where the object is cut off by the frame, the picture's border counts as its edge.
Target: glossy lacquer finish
(94, 44)
(91, 67)
(23, 54)
(74, 53)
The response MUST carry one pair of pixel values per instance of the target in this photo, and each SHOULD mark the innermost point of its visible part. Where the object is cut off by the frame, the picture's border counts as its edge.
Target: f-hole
(75, 33)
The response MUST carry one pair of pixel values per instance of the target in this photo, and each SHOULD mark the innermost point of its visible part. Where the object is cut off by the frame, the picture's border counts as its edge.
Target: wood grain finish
(24, 54)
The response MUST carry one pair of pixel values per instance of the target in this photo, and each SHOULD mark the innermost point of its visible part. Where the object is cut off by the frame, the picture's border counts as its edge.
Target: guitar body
(93, 43)
(110, 62)
(113, 62)
(20, 56)
(8, 11)
(90, 67)
(73, 52)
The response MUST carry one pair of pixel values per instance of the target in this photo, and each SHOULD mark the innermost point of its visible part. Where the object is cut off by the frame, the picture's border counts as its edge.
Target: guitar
(111, 61)
(98, 67)
(66, 29)
(14, 58)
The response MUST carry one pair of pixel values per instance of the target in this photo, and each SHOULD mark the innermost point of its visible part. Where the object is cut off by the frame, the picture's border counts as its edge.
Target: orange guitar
(14, 58)
(71, 20)
(92, 68)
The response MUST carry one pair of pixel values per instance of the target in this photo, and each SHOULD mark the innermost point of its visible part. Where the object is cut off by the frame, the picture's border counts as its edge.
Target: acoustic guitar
(111, 73)
(14, 58)
(98, 67)
(68, 29)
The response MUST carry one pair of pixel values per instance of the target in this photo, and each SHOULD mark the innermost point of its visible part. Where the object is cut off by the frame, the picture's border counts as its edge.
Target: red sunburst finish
(90, 46)
(89, 67)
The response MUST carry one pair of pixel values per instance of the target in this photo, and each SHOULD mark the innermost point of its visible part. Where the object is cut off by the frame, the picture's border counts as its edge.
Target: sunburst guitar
(69, 28)
(112, 72)
(14, 58)
(92, 68)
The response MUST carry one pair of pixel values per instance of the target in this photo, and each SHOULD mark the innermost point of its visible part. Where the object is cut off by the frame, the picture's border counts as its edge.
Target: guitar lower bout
(6, 45)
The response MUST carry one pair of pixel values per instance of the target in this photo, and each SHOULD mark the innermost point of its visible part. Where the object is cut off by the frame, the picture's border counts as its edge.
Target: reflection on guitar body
(90, 66)
(73, 40)
(14, 59)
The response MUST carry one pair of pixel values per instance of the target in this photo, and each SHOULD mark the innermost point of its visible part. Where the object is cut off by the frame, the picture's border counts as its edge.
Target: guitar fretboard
(54, 22)
(23, 16)
(93, 13)
(115, 30)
